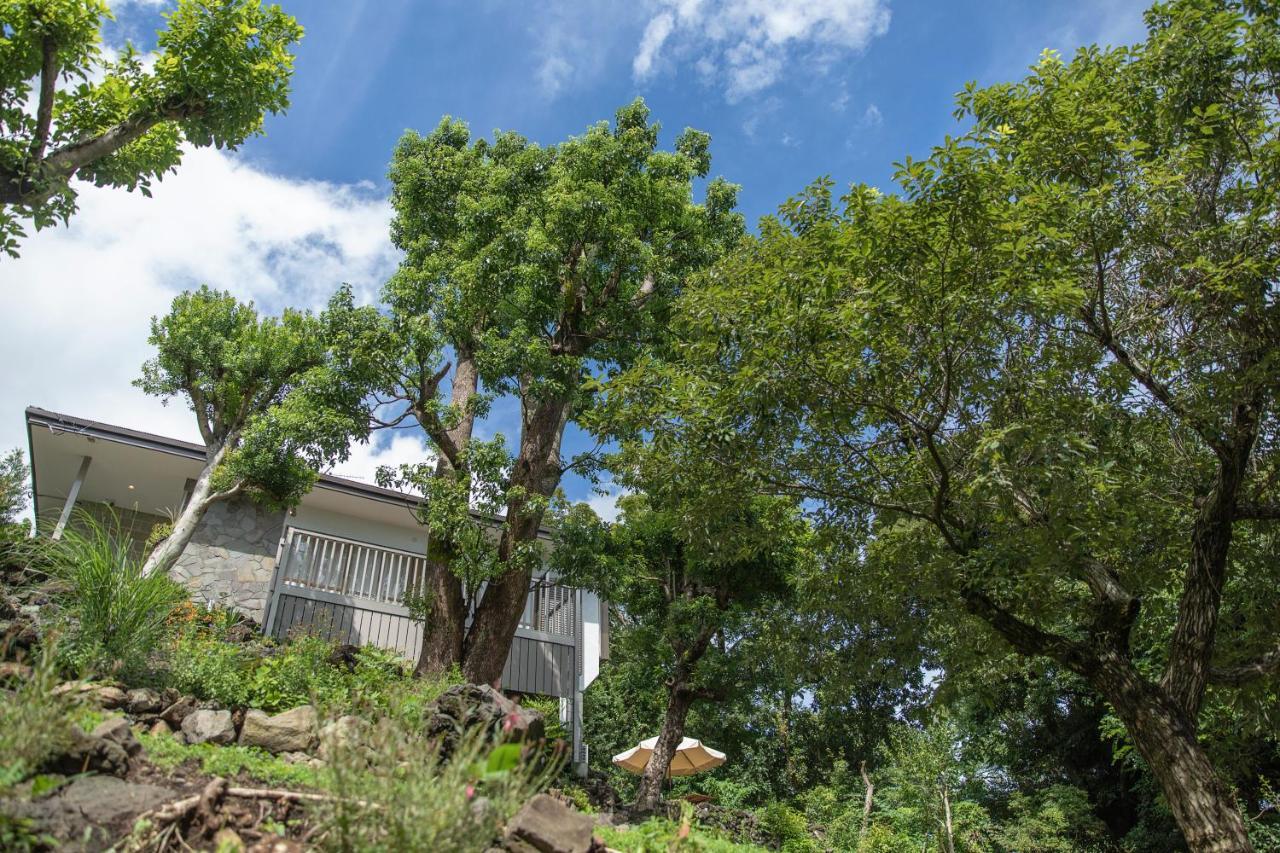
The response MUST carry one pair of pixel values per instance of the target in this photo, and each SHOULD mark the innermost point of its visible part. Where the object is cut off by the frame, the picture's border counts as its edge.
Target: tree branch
(1238, 676)
(48, 85)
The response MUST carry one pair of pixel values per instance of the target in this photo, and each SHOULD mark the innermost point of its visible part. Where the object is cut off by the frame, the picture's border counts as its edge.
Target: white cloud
(871, 116)
(394, 449)
(604, 501)
(78, 302)
(553, 74)
(651, 42)
(752, 42)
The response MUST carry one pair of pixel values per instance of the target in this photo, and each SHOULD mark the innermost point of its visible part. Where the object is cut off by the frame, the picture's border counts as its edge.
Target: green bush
(34, 723)
(549, 708)
(788, 825)
(116, 615)
(659, 835)
(392, 792)
(206, 667)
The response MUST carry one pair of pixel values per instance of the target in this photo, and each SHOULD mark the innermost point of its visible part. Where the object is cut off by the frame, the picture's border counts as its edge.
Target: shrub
(392, 792)
(659, 835)
(34, 723)
(208, 668)
(117, 615)
(788, 826)
(549, 708)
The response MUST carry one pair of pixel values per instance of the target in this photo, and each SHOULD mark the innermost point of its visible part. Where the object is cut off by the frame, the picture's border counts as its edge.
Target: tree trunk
(649, 794)
(867, 803)
(537, 472)
(1201, 804)
(946, 820)
(166, 553)
(444, 627)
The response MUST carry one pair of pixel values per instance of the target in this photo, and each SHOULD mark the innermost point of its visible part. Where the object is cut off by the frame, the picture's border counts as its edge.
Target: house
(339, 563)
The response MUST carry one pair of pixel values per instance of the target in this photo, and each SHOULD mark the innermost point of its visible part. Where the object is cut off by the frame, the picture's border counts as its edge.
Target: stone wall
(232, 556)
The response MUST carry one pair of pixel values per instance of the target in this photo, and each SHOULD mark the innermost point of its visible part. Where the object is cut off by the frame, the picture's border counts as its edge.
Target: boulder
(90, 812)
(339, 734)
(177, 711)
(89, 752)
(209, 726)
(465, 707)
(117, 730)
(291, 731)
(110, 697)
(160, 727)
(547, 825)
(143, 700)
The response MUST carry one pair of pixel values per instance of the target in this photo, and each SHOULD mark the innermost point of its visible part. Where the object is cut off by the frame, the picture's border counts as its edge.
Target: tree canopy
(1038, 385)
(533, 272)
(72, 109)
(270, 399)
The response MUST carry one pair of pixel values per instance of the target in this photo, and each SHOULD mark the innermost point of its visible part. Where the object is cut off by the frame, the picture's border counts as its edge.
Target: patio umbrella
(691, 757)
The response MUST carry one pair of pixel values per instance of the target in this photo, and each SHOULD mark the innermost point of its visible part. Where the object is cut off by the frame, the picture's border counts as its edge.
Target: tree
(221, 65)
(15, 478)
(1038, 388)
(696, 574)
(529, 271)
(269, 399)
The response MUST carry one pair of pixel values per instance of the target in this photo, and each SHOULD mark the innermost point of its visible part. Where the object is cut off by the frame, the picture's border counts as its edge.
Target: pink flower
(471, 791)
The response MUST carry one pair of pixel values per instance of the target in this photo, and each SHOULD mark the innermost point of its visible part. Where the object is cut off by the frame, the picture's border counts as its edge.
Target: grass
(393, 791)
(166, 752)
(34, 723)
(119, 615)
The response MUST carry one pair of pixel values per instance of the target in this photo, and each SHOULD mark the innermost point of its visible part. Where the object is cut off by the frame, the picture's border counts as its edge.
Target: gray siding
(540, 666)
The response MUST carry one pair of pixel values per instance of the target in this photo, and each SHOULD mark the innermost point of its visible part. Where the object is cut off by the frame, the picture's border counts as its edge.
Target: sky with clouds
(790, 90)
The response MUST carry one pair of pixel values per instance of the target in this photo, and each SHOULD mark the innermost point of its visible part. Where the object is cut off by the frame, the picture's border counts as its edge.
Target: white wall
(307, 517)
(590, 638)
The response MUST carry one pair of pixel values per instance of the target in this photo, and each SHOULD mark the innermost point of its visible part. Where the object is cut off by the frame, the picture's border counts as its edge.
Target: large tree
(69, 111)
(269, 398)
(529, 272)
(1038, 387)
(698, 569)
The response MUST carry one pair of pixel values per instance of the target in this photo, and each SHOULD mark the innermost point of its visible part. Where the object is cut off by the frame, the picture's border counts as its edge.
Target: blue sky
(790, 90)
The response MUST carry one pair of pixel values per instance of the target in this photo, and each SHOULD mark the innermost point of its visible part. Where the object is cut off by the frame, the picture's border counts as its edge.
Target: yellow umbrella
(691, 757)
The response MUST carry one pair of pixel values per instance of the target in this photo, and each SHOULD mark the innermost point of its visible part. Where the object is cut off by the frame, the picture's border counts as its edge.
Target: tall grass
(34, 722)
(393, 791)
(116, 615)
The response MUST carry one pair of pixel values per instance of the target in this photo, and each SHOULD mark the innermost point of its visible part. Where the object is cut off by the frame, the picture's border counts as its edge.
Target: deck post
(72, 495)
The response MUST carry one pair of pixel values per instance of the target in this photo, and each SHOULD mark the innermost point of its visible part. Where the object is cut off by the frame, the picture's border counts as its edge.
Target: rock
(547, 825)
(292, 731)
(143, 700)
(91, 811)
(178, 710)
(227, 841)
(88, 752)
(168, 696)
(277, 845)
(16, 671)
(339, 734)
(110, 697)
(209, 726)
(68, 688)
(241, 632)
(160, 727)
(467, 706)
(345, 656)
(117, 729)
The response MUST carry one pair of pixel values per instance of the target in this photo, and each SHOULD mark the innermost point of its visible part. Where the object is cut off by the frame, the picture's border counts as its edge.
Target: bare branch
(1238, 676)
(44, 112)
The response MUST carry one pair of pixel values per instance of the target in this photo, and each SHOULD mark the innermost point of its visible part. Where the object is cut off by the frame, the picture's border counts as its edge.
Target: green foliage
(299, 672)
(230, 761)
(202, 665)
(34, 723)
(789, 826)
(549, 707)
(392, 791)
(220, 66)
(15, 486)
(529, 271)
(659, 835)
(116, 615)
